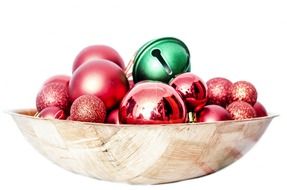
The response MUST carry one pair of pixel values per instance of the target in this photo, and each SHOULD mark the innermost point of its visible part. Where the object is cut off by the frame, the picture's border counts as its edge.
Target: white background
(240, 40)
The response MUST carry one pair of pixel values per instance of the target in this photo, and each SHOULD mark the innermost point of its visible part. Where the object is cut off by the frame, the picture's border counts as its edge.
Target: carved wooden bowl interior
(145, 154)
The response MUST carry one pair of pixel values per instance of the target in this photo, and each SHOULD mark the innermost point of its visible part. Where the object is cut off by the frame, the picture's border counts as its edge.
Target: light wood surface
(142, 154)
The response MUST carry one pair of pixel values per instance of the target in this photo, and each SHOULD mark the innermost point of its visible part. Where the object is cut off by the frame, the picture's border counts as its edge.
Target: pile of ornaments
(162, 89)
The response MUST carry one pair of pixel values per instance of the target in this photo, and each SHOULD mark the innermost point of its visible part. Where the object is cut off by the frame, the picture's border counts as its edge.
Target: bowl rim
(19, 113)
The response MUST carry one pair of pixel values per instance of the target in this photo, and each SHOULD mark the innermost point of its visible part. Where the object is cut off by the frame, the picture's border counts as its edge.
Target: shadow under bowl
(145, 154)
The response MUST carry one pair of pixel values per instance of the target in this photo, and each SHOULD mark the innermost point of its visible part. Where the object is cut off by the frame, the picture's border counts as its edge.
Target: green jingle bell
(161, 60)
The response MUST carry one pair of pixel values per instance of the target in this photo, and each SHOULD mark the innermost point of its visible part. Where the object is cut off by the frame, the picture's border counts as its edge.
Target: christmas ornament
(161, 60)
(192, 89)
(152, 103)
(53, 94)
(101, 78)
(113, 117)
(88, 108)
(260, 110)
(244, 91)
(131, 83)
(212, 113)
(218, 91)
(52, 113)
(58, 78)
(96, 52)
(241, 110)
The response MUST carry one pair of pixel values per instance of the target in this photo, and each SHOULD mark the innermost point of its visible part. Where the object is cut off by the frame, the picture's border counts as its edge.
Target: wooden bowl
(147, 154)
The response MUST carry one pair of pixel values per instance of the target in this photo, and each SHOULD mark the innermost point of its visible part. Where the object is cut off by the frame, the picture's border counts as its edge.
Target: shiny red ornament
(192, 89)
(243, 91)
(53, 94)
(131, 83)
(52, 113)
(88, 108)
(218, 90)
(211, 113)
(113, 117)
(101, 78)
(260, 110)
(58, 78)
(152, 103)
(241, 110)
(96, 52)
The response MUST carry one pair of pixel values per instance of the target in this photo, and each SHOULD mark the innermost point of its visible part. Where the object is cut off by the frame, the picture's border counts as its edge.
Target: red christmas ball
(131, 83)
(212, 113)
(113, 117)
(192, 89)
(152, 103)
(243, 91)
(52, 113)
(58, 78)
(96, 52)
(260, 110)
(218, 91)
(101, 78)
(53, 94)
(88, 108)
(241, 110)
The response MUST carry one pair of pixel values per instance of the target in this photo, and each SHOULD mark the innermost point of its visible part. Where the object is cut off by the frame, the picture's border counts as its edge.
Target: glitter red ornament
(88, 108)
(218, 90)
(53, 94)
(192, 89)
(101, 78)
(241, 110)
(96, 52)
(260, 110)
(152, 103)
(211, 113)
(52, 113)
(58, 78)
(243, 91)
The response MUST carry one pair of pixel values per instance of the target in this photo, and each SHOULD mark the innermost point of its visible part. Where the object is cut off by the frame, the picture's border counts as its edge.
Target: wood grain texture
(141, 154)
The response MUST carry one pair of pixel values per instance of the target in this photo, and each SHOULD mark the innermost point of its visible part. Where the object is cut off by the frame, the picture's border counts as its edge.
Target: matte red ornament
(53, 94)
(101, 78)
(212, 113)
(52, 113)
(218, 90)
(241, 110)
(192, 89)
(96, 52)
(243, 91)
(260, 110)
(88, 108)
(152, 103)
(113, 117)
(58, 78)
